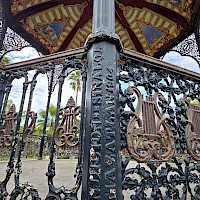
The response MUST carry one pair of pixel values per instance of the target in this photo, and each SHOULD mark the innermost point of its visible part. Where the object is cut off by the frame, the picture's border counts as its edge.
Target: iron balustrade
(157, 125)
(57, 68)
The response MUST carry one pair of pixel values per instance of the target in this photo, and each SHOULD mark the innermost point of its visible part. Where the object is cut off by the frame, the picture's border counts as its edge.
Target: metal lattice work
(176, 180)
(137, 118)
(2, 23)
(12, 42)
(146, 143)
(189, 47)
(158, 125)
(21, 136)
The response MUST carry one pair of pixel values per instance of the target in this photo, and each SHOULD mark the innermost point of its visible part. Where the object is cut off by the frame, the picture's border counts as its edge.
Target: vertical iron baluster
(10, 166)
(7, 92)
(46, 113)
(51, 167)
(2, 91)
(18, 166)
(84, 80)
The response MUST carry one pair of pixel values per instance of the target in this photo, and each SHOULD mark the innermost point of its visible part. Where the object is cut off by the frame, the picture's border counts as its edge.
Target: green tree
(193, 102)
(5, 60)
(75, 82)
(50, 121)
(10, 102)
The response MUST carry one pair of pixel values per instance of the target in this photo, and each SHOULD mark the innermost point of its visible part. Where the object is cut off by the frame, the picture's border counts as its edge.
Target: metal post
(2, 93)
(197, 29)
(3, 26)
(102, 164)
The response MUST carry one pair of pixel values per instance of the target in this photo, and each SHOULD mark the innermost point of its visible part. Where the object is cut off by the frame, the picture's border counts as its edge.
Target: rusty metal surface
(148, 134)
(193, 131)
(66, 131)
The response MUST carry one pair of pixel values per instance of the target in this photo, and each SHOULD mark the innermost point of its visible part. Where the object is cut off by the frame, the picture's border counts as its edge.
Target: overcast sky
(40, 94)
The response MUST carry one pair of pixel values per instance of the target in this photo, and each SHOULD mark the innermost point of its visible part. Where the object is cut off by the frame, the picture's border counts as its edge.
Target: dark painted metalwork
(103, 173)
(12, 42)
(2, 22)
(55, 193)
(66, 131)
(20, 190)
(148, 134)
(8, 128)
(101, 169)
(189, 47)
(11, 167)
(176, 87)
(178, 180)
(50, 90)
(20, 139)
(168, 121)
(132, 107)
(3, 92)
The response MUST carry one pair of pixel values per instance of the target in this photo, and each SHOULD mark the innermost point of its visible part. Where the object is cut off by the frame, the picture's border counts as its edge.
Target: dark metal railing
(159, 122)
(57, 68)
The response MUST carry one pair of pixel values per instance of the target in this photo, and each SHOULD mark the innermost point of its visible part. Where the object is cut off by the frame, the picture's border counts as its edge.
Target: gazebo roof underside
(151, 27)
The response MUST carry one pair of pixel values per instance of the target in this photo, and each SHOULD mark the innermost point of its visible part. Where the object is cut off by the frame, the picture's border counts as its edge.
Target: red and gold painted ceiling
(147, 26)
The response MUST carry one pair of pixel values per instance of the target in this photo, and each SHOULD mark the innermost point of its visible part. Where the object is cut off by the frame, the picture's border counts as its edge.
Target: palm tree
(50, 121)
(75, 82)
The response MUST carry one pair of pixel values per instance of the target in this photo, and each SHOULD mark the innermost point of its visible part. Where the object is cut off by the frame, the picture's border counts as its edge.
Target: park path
(34, 172)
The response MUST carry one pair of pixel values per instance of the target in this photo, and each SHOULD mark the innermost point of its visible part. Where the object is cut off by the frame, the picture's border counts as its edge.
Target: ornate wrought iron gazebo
(148, 27)
(135, 108)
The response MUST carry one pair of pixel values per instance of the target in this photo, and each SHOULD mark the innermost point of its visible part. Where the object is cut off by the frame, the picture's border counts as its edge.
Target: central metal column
(102, 165)
(2, 23)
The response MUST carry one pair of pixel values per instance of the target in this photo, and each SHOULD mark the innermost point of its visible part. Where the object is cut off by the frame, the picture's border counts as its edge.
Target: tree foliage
(193, 101)
(5, 60)
(50, 121)
(75, 82)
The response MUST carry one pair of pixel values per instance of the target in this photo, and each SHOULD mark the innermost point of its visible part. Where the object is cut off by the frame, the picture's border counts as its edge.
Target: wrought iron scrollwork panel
(157, 125)
(12, 42)
(62, 192)
(16, 133)
(156, 180)
(189, 47)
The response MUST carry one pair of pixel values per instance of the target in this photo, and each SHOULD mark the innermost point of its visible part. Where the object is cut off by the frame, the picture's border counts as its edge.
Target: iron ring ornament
(148, 134)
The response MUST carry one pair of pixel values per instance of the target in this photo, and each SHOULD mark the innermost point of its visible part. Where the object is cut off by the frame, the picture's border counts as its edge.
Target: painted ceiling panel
(181, 7)
(152, 29)
(147, 26)
(20, 5)
(52, 26)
